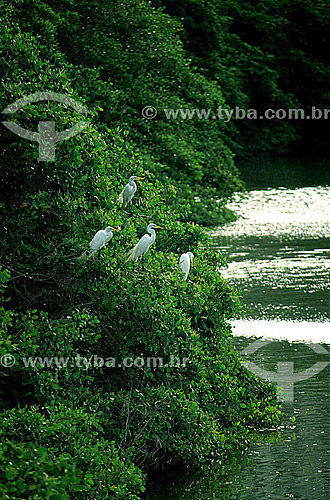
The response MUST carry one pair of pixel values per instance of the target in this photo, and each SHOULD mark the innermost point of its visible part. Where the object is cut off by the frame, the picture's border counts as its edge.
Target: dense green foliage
(124, 55)
(67, 431)
(264, 54)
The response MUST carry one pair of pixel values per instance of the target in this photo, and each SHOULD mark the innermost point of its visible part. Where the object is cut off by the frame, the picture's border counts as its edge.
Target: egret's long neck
(153, 235)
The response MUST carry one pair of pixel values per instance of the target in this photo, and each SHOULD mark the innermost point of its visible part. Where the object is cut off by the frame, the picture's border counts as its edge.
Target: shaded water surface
(278, 255)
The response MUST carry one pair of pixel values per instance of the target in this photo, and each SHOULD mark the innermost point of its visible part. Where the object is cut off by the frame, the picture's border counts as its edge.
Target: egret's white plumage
(144, 243)
(185, 262)
(98, 241)
(109, 234)
(129, 190)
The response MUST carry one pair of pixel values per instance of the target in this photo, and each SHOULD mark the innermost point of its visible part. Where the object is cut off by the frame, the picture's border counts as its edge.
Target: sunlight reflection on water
(281, 213)
(278, 253)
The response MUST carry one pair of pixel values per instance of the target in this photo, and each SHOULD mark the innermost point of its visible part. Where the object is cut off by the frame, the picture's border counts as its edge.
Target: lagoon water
(278, 255)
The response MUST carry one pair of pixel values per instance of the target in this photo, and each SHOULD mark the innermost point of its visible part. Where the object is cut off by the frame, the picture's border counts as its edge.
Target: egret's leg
(143, 262)
(130, 209)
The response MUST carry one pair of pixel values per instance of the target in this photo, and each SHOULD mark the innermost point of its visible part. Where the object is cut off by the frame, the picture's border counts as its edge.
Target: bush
(92, 431)
(124, 56)
(62, 454)
(272, 57)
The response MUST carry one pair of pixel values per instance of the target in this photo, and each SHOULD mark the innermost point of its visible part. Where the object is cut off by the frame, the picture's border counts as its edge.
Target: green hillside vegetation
(68, 432)
(271, 54)
(125, 55)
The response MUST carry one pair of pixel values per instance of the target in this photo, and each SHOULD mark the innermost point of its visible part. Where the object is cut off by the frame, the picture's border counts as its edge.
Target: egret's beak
(140, 178)
(160, 227)
(114, 229)
(192, 262)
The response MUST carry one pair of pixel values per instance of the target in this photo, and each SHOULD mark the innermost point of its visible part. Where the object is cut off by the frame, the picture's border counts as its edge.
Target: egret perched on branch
(144, 243)
(185, 260)
(129, 190)
(100, 238)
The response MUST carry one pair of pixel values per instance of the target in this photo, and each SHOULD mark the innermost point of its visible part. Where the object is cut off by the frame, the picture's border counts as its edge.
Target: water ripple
(281, 212)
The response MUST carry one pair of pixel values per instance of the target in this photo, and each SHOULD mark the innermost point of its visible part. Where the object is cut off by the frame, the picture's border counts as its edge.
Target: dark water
(278, 255)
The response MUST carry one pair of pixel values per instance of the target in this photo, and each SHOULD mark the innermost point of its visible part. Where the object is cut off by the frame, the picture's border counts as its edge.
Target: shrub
(93, 431)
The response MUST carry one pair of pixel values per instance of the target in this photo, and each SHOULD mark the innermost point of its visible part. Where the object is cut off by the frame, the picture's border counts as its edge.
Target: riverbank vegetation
(70, 432)
(269, 54)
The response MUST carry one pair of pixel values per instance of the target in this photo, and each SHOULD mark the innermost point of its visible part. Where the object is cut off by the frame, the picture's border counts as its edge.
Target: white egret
(144, 243)
(185, 260)
(129, 190)
(98, 241)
